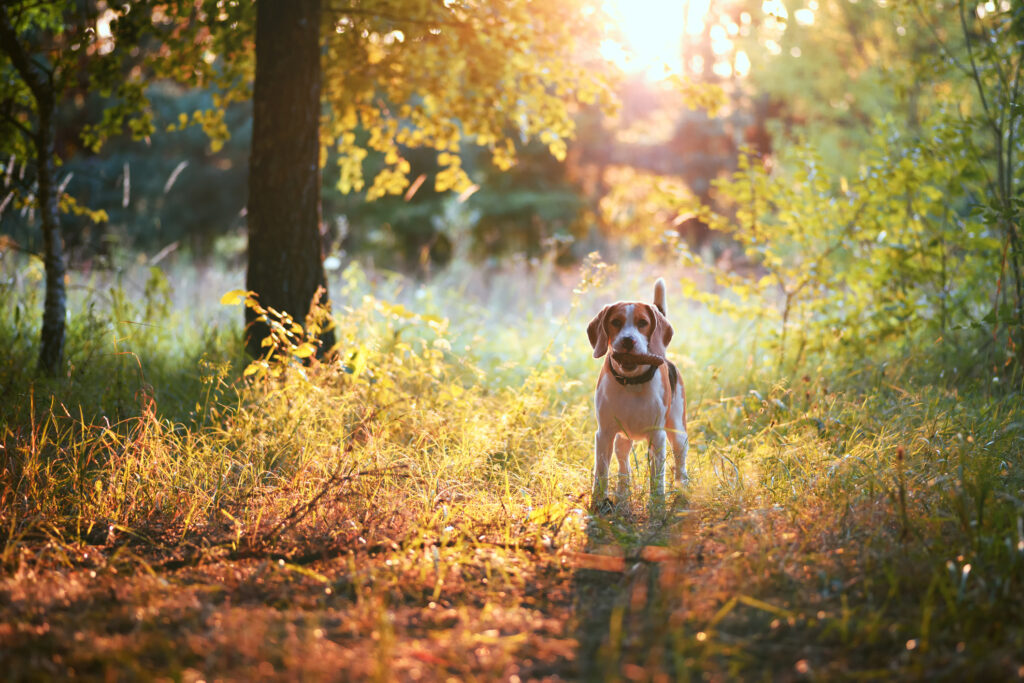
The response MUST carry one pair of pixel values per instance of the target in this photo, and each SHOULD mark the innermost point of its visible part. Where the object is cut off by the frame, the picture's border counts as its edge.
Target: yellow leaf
(233, 298)
(253, 368)
(359, 361)
(304, 350)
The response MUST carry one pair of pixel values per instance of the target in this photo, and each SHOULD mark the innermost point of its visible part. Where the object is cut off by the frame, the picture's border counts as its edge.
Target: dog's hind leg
(623, 444)
(680, 447)
(657, 460)
(676, 428)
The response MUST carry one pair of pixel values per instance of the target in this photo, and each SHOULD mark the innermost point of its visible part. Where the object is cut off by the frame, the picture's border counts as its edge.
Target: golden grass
(419, 509)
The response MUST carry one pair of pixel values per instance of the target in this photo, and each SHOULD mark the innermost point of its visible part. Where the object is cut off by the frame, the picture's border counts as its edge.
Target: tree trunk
(285, 254)
(40, 83)
(51, 346)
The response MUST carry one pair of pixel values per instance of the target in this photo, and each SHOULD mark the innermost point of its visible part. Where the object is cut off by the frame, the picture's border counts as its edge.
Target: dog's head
(631, 326)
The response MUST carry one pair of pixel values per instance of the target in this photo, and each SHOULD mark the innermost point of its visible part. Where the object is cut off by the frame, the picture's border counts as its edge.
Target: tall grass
(855, 518)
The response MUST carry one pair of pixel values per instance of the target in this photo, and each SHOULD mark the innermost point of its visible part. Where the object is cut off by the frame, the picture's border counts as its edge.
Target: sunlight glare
(696, 11)
(775, 8)
(741, 63)
(720, 43)
(652, 32)
(804, 16)
(723, 69)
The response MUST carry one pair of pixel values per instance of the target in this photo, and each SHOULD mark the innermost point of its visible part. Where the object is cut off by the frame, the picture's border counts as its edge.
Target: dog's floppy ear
(661, 335)
(598, 337)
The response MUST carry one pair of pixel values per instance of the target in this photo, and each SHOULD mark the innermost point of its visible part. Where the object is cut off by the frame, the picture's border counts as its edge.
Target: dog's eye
(616, 323)
(641, 323)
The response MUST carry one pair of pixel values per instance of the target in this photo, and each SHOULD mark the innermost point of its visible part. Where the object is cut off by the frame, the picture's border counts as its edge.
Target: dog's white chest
(635, 410)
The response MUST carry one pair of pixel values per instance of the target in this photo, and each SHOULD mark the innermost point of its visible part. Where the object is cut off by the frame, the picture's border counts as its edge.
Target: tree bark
(40, 83)
(285, 254)
(51, 347)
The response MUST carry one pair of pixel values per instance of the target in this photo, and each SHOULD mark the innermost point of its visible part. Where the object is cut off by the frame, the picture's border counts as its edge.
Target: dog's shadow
(622, 585)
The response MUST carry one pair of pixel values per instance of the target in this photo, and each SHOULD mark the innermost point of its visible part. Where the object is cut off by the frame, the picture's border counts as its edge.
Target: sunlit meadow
(419, 506)
(830, 191)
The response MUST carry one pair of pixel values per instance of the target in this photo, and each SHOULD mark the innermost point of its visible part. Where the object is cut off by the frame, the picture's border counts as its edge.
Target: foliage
(911, 230)
(509, 70)
(883, 256)
(379, 66)
(287, 342)
(993, 39)
(206, 45)
(415, 506)
(181, 194)
(833, 69)
(428, 75)
(116, 53)
(861, 519)
(170, 191)
(518, 211)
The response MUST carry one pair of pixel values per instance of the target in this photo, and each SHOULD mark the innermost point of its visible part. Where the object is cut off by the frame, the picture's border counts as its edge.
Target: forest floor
(420, 509)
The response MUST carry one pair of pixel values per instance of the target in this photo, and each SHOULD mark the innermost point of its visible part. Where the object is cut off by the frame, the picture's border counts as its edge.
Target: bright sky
(653, 32)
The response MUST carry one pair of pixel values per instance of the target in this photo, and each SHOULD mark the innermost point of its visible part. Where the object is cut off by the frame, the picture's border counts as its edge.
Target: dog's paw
(656, 504)
(680, 488)
(680, 500)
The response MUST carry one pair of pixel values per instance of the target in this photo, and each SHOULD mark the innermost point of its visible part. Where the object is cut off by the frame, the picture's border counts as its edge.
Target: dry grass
(419, 509)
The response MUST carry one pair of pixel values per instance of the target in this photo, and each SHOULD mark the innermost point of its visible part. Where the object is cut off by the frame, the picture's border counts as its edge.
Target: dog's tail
(659, 295)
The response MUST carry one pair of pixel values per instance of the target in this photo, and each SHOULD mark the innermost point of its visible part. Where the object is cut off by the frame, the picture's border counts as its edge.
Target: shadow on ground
(626, 592)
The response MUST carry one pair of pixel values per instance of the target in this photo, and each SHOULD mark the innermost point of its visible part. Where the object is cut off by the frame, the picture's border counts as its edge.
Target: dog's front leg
(602, 456)
(623, 444)
(657, 458)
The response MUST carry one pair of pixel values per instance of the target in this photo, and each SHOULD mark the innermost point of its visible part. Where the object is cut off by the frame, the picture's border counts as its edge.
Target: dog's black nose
(627, 344)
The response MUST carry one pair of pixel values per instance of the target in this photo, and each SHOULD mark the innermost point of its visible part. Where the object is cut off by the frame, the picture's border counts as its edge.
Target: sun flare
(652, 33)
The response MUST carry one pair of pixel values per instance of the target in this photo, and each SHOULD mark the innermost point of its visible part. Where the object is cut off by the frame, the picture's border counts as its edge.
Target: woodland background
(391, 478)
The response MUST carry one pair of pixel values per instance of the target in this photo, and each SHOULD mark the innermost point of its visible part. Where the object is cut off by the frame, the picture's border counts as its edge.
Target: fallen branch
(301, 510)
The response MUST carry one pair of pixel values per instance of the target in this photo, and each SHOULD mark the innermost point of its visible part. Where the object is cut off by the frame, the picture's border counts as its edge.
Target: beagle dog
(634, 401)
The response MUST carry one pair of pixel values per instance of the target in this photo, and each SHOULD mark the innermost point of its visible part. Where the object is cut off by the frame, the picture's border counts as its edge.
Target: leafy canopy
(398, 74)
(427, 74)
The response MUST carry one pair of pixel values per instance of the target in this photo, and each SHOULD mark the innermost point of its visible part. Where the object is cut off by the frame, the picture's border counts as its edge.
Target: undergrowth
(418, 507)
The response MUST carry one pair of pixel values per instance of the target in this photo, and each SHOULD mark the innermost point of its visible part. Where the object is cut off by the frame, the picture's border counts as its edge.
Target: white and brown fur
(653, 411)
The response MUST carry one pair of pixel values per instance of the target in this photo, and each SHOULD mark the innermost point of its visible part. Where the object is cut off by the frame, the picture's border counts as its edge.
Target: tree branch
(975, 74)
(1014, 105)
(25, 130)
(35, 75)
(938, 40)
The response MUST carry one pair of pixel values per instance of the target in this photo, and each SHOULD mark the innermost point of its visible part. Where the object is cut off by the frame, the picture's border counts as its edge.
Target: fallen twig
(631, 358)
